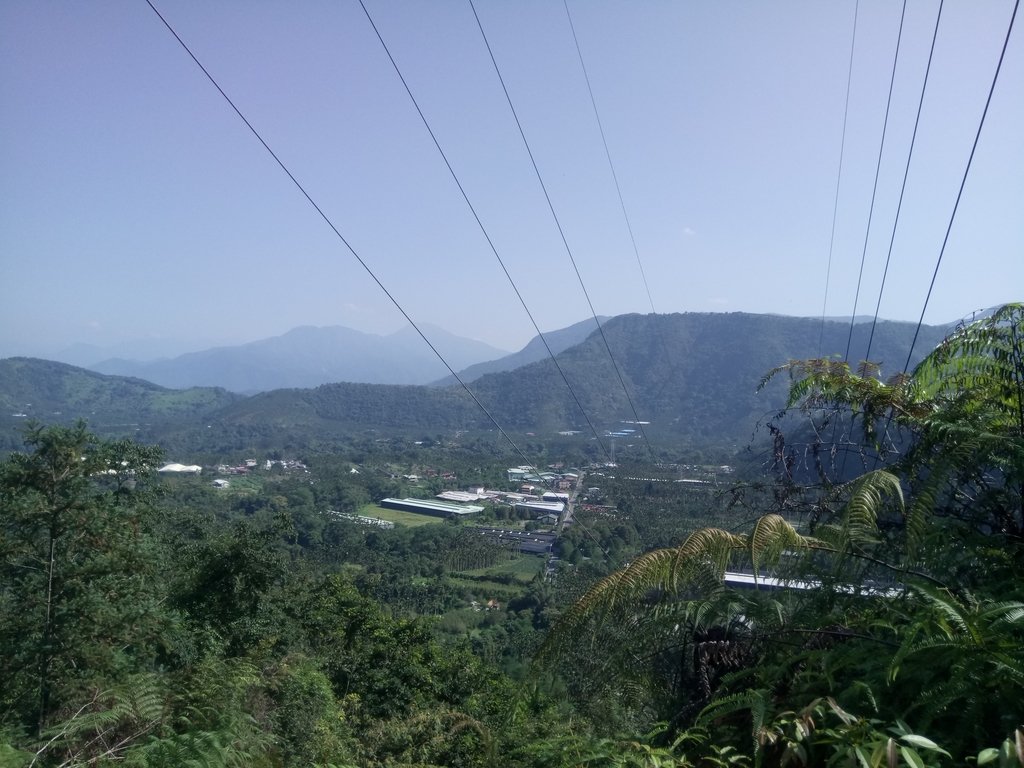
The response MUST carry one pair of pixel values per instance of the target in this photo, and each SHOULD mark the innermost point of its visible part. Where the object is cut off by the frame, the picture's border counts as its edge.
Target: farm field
(523, 568)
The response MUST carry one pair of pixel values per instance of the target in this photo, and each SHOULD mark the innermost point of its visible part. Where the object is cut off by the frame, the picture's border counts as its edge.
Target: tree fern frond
(955, 617)
(661, 570)
(700, 561)
(770, 375)
(229, 748)
(639, 606)
(727, 705)
(1011, 667)
(121, 716)
(772, 536)
(866, 495)
(1007, 612)
(832, 534)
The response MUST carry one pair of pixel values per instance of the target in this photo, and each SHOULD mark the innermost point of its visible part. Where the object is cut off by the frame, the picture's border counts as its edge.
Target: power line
(352, 250)
(874, 188)
(608, 154)
(871, 209)
(334, 229)
(839, 180)
(561, 232)
(483, 229)
(903, 186)
(963, 182)
(618, 190)
(839, 176)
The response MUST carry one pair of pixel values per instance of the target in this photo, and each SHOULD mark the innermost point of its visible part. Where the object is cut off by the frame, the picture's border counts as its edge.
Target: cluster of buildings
(244, 468)
(429, 474)
(542, 496)
(238, 469)
(531, 478)
(247, 466)
(527, 542)
(288, 465)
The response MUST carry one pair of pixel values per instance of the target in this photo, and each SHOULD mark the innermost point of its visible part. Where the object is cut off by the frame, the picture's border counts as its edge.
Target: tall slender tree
(78, 601)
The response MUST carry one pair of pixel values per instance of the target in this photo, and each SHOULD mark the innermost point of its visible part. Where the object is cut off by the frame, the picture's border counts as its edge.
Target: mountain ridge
(558, 340)
(692, 376)
(307, 356)
(49, 391)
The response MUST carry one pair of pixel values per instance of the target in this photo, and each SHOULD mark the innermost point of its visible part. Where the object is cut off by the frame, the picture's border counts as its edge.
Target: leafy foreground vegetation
(901, 637)
(140, 625)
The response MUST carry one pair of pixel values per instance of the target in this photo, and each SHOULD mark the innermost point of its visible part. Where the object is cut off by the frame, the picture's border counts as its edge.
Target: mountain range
(309, 356)
(693, 377)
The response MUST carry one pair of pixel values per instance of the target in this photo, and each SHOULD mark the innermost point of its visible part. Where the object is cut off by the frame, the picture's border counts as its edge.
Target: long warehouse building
(431, 507)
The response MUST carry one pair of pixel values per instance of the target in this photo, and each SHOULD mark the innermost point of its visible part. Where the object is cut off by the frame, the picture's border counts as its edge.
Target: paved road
(566, 517)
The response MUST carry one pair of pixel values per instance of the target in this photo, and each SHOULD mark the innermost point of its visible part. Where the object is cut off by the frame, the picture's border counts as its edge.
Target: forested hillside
(557, 341)
(692, 376)
(54, 392)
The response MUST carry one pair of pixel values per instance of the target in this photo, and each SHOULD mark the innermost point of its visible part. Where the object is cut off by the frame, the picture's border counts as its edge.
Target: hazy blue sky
(135, 203)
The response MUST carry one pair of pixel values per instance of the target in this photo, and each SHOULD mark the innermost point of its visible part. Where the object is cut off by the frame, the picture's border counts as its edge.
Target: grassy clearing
(488, 589)
(522, 569)
(242, 485)
(398, 516)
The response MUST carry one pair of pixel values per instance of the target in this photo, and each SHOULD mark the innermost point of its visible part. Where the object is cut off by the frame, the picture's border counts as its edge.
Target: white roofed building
(181, 469)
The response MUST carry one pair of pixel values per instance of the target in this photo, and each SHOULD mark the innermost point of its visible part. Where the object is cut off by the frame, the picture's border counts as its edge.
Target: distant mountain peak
(307, 356)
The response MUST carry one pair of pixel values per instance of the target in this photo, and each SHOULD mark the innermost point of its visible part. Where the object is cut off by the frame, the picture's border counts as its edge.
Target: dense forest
(879, 523)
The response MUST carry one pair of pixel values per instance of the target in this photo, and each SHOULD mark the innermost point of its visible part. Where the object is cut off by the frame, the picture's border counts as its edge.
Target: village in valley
(538, 505)
(526, 516)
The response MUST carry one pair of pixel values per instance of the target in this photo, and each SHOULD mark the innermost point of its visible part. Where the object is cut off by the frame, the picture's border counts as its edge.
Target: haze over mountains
(692, 376)
(309, 356)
